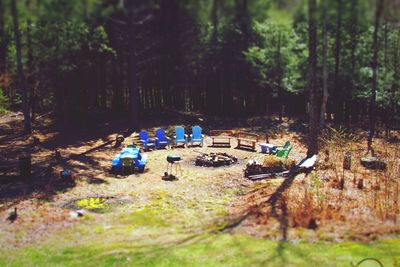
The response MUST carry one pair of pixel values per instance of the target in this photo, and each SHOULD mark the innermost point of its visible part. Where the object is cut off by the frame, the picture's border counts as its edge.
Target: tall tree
(132, 68)
(312, 79)
(20, 72)
(337, 82)
(30, 81)
(3, 43)
(374, 65)
(325, 92)
(353, 31)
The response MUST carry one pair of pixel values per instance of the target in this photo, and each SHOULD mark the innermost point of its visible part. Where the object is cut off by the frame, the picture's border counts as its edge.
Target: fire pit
(215, 160)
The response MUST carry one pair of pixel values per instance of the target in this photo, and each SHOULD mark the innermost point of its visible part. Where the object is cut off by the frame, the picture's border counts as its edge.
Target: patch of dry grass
(339, 204)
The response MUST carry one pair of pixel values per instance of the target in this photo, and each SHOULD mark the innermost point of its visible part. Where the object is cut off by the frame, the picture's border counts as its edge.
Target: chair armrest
(144, 158)
(202, 136)
(186, 135)
(168, 138)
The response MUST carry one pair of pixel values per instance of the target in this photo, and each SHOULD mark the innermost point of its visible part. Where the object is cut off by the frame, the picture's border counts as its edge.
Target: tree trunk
(280, 74)
(3, 43)
(374, 65)
(396, 77)
(132, 73)
(30, 83)
(338, 104)
(325, 92)
(312, 79)
(20, 72)
(353, 47)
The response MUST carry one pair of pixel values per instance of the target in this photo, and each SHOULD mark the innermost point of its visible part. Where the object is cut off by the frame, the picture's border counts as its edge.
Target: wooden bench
(221, 137)
(247, 140)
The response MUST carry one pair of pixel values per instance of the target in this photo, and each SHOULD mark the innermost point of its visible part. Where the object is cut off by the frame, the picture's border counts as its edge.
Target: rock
(312, 224)
(373, 163)
(76, 213)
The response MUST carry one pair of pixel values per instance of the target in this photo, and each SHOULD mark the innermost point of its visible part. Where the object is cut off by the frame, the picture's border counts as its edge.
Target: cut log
(268, 175)
(373, 163)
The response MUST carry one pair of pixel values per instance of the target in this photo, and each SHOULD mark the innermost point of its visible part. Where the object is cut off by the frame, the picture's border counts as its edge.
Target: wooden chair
(221, 137)
(247, 140)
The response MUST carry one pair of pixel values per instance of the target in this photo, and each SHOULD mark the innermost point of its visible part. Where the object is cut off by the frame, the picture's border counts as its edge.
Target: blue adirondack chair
(161, 139)
(196, 135)
(146, 141)
(140, 162)
(180, 136)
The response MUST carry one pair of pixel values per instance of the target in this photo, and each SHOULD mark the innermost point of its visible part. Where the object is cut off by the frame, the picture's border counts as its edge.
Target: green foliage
(92, 203)
(338, 137)
(257, 51)
(4, 102)
(279, 58)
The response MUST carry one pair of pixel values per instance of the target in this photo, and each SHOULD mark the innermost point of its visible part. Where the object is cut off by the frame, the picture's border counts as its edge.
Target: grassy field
(206, 250)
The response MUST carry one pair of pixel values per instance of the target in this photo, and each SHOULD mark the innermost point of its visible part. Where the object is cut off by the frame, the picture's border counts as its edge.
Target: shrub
(4, 102)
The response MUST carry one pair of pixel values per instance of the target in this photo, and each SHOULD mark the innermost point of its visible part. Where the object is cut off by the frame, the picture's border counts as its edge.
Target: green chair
(283, 153)
(127, 164)
(280, 148)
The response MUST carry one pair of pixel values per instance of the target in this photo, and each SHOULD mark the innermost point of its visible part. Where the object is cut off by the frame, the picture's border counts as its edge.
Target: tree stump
(341, 183)
(326, 152)
(373, 163)
(35, 141)
(25, 165)
(347, 161)
(118, 140)
(57, 155)
(360, 184)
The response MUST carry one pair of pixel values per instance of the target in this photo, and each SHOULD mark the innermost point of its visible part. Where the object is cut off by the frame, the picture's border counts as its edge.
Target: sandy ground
(204, 196)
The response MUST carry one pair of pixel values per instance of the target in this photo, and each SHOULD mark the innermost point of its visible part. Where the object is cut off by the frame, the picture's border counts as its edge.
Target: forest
(288, 112)
(239, 58)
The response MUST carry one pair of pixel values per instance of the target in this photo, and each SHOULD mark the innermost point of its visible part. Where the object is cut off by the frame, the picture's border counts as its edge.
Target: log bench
(247, 140)
(221, 137)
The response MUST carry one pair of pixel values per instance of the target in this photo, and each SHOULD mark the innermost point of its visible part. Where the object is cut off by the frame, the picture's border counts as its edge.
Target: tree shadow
(278, 204)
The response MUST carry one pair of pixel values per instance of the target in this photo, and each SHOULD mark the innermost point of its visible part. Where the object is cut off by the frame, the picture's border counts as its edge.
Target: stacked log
(215, 160)
(271, 164)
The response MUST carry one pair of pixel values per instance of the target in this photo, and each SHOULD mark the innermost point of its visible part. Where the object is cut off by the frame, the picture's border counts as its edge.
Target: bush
(4, 102)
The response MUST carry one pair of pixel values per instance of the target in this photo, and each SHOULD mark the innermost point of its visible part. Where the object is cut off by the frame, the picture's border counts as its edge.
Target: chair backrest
(160, 134)
(179, 133)
(196, 132)
(248, 136)
(280, 153)
(143, 135)
(127, 162)
(286, 154)
(286, 145)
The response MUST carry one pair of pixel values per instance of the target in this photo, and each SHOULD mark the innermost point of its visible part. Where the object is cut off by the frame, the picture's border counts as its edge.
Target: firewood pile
(271, 164)
(215, 160)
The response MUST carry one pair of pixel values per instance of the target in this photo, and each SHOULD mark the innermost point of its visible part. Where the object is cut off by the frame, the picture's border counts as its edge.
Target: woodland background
(84, 58)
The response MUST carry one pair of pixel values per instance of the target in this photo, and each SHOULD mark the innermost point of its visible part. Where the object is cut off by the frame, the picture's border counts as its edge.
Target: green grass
(170, 230)
(206, 250)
